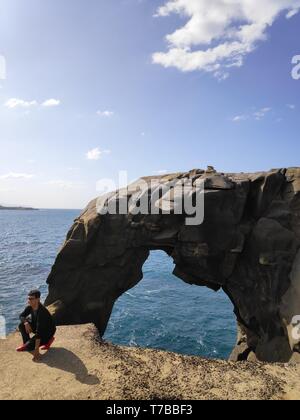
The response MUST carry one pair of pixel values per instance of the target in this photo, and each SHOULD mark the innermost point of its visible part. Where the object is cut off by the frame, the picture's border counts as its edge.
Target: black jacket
(42, 324)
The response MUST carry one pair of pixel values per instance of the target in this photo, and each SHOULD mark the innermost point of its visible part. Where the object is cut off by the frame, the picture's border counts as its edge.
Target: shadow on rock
(67, 361)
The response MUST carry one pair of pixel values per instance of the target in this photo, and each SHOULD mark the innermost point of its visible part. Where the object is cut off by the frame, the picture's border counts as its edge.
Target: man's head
(34, 298)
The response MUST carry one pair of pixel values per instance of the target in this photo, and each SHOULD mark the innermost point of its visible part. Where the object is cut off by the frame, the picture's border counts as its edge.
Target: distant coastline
(17, 208)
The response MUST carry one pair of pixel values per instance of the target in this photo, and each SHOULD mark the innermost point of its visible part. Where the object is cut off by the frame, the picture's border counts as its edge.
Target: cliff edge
(79, 366)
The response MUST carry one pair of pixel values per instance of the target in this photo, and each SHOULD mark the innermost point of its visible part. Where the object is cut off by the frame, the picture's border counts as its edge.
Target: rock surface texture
(79, 367)
(248, 245)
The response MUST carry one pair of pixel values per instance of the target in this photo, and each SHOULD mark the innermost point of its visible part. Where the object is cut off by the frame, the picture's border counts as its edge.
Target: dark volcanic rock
(248, 245)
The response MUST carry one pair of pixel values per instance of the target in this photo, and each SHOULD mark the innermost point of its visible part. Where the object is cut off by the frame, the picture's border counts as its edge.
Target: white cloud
(14, 103)
(96, 154)
(51, 103)
(105, 114)
(15, 175)
(66, 185)
(292, 13)
(19, 103)
(257, 115)
(291, 106)
(239, 118)
(161, 172)
(218, 34)
(6, 190)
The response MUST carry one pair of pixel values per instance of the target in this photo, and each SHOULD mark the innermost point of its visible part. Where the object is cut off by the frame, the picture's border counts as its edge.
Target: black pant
(30, 342)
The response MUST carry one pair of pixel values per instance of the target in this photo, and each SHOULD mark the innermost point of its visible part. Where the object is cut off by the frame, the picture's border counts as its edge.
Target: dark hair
(35, 293)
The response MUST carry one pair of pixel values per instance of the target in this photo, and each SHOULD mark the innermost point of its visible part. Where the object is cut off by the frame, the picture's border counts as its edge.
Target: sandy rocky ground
(79, 366)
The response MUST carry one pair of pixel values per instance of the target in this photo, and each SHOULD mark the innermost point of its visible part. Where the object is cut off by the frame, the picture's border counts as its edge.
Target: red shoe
(21, 348)
(49, 344)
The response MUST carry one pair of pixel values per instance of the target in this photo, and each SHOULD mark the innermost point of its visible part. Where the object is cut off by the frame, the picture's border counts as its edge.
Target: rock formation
(248, 245)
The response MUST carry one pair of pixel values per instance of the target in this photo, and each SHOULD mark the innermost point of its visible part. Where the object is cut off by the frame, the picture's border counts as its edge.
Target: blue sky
(86, 94)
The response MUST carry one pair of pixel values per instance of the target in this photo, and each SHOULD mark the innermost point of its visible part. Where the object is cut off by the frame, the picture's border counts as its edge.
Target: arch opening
(163, 312)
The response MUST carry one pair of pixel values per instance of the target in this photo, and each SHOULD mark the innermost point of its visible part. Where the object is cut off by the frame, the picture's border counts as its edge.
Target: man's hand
(28, 328)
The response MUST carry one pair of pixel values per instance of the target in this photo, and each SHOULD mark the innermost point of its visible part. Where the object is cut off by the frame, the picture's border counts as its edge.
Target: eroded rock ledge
(248, 245)
(79, 367)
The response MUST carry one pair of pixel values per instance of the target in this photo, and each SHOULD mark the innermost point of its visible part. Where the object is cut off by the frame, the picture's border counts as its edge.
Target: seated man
(36, 320)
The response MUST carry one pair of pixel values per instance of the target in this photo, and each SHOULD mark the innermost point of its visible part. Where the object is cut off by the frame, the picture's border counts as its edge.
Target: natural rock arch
(248, 244)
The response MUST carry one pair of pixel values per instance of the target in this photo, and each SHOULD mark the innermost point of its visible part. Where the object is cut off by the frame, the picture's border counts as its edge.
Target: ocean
(161, 312)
